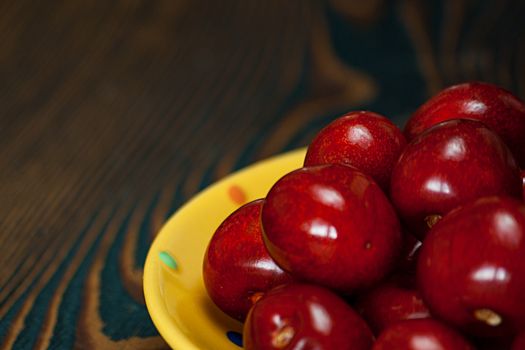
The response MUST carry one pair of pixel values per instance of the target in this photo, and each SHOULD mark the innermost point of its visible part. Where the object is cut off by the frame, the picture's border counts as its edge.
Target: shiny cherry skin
(390, 302)
(498, 108)
(303, 316)
(366, 140)
(450, 164)
(237, 268)
(420, 334)
(471, 269)
(331, 225)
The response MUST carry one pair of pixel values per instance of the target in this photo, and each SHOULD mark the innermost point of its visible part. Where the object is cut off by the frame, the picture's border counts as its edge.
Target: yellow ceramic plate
(173, 287)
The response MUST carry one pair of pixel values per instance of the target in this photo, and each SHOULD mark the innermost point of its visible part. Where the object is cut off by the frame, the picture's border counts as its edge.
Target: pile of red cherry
(385, 239)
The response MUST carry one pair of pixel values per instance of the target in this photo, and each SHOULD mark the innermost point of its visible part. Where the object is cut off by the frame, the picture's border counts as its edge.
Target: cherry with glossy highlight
(331, 225)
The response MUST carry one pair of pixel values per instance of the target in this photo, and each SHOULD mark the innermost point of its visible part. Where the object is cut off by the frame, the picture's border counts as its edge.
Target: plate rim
(152, 293)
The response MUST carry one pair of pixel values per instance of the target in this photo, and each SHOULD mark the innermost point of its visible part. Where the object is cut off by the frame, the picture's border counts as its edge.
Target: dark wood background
(114, 113)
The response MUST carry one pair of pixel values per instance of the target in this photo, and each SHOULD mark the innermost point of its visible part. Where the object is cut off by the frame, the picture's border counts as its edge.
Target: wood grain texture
(114, 113)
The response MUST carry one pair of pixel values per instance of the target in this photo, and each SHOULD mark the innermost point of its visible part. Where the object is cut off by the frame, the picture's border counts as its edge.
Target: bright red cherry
(366, 140)
(498, 108)
(390, 302)
(237, 268)
(450, 164)
(420, 334)
(471, 268)
(331, 225)
(302, 316)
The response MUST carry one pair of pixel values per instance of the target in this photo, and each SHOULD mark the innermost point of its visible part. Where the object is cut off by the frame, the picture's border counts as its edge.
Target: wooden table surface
(114, 113)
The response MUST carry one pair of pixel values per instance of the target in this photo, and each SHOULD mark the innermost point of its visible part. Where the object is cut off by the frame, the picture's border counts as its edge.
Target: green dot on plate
(167, 259)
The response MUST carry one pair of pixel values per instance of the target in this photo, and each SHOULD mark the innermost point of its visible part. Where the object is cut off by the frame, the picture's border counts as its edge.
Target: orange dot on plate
(237, 194)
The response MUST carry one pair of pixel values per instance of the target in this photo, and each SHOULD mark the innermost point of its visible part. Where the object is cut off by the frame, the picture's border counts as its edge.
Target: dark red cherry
(331, 225)
(237, 268)
(450, 164)
(302, 316)
(420, 334)
(498, 108)
(366, 140)
(519, 342)
(471, 268)
(390, 302)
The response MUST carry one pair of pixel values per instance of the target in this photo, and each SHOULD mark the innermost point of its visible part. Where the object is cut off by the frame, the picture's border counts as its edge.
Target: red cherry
(420, 334)
(471, 269)
(450, 164)
(366, 140)
(499, 109)
(301, 316)
(237, 268)
(390, 302)
(519, 342)
(331, 225)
